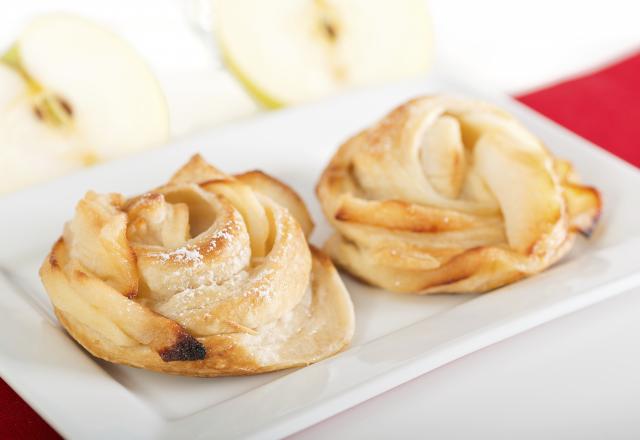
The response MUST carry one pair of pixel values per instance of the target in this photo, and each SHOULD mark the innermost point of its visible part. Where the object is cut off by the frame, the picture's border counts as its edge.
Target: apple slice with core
(291, 51)
(73, 93)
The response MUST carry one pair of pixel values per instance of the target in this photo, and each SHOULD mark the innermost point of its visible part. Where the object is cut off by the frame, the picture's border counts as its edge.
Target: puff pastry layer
(207, 275)
(451, 195)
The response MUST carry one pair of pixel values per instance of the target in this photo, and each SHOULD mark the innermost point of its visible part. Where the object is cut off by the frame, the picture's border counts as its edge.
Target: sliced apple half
(521, 180)
(290, 51)
(73, 93)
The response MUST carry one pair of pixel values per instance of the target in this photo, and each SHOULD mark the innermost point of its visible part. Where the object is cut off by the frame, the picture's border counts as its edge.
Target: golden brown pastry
(451, 195)
(208, 275)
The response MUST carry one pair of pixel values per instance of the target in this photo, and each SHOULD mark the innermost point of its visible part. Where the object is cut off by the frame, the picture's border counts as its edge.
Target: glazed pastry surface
(451, 195)
(208, 275)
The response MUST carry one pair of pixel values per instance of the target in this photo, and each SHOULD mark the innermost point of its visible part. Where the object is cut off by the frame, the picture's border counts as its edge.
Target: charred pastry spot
(132, 294)
(341, 215)
(588, 231)
(186, 348)
(53, 261)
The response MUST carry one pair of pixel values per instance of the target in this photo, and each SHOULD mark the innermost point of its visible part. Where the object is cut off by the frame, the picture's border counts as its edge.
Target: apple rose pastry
(451, 195)
(208, 275)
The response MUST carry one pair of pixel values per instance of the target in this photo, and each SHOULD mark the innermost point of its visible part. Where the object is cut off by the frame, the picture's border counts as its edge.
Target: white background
(576, 377)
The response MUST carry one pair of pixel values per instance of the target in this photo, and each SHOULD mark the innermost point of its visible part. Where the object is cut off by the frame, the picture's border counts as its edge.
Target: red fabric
(18, 420)
(603, 107)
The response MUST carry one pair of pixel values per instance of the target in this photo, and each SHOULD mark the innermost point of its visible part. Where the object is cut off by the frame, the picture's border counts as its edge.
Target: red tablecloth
(603, 107)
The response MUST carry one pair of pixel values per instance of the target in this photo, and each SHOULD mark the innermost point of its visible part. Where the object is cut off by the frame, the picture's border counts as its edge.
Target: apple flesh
(30, 150)
(520, 177)
(443, 157)
(291, 51)
(73, 93)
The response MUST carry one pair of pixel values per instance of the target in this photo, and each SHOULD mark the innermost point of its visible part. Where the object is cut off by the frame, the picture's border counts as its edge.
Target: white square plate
(397, 337)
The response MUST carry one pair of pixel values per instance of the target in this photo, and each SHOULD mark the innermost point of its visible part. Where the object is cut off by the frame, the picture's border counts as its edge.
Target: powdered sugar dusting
(181, 255)
(226, 234)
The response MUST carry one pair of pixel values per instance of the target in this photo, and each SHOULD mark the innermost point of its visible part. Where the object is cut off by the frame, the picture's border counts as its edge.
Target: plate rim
(305, 416)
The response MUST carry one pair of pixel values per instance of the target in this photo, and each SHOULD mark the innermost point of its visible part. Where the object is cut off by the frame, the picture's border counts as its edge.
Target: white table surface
(576, 377)
(573, 378)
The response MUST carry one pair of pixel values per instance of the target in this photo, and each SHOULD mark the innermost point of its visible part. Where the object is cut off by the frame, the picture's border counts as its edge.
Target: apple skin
(262, 97)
